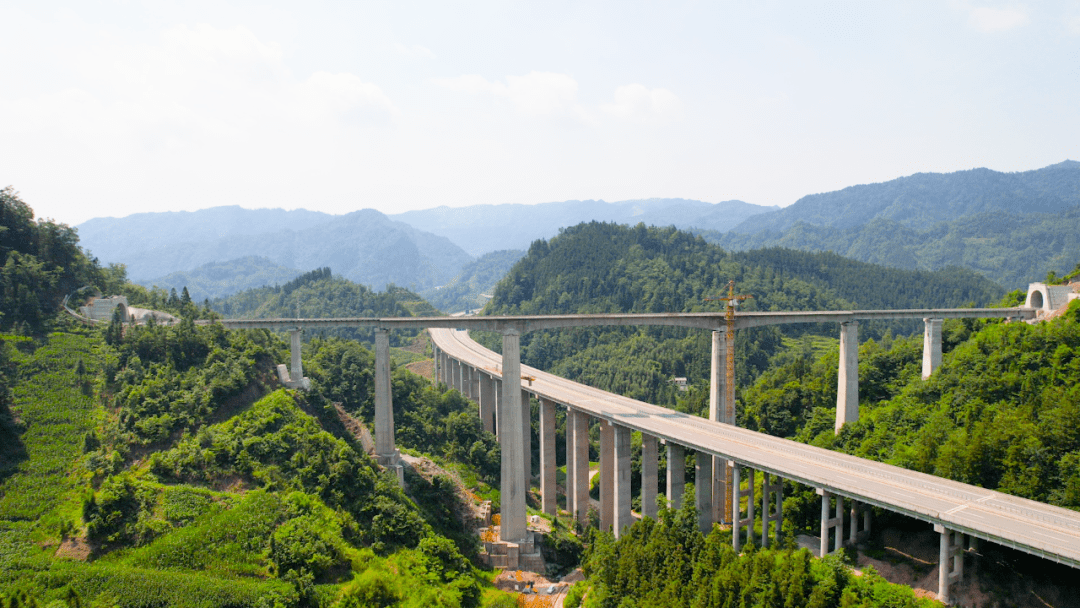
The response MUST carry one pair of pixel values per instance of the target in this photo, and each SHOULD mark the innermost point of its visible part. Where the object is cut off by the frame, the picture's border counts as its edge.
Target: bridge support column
(498, 407)
(577, 464)
(676, 474)
(607, 475)
(859, 512)
(467, 382)
(772, 507)
(931, 349)
(487, 402)
(296, 365)
(831, 520)
(526, 434)
(512, 487)
(385, 451)
(549, 504)
(434, 365)
(950, 560)
(649, 477)
(474, 387)
(847, 389)
(623, 516)
(703, 498)
(721, 409)
(741, 522)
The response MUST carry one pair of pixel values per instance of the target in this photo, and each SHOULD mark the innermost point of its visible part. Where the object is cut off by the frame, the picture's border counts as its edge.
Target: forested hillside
(40, 263)
(222, 279)
(1010, 248)
(609, 268)
(320, 294)
(162, 465)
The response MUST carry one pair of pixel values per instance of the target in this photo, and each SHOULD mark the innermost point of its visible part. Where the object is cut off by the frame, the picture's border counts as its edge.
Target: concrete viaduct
(955, 509)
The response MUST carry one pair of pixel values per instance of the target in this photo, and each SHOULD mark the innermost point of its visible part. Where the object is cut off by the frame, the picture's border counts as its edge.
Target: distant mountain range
(1010, 227)
(480, 229)
(922, 200)
(364, 246)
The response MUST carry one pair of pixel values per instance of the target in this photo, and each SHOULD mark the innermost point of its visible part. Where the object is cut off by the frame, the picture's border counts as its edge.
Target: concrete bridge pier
(703, 495)
(950, 560)
(676, 474)
(487, 402)
(434, 365)
(467, 382)
(512, 488)
(740, 521)
(474, 383)
(931, 351)
(607, 475)
(385, 452)
(649, 475)
(621, 480)
(577, 464)
(721, 409)
(831, 520)
(549, 504)
(293, 376)
(526, 432)
(498, 407)
(847, 383)
(772, 507)
(455, 375)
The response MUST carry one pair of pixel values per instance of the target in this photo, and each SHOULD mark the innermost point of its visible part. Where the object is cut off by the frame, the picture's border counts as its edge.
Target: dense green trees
(609, 268)
(668, 562)
(40, 263)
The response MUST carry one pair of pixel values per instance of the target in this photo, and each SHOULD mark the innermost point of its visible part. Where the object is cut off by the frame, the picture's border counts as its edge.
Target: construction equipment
(727, 414)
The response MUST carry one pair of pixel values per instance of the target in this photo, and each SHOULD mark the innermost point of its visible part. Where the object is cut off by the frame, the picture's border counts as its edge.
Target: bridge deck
(1034, 527)
(699, 320)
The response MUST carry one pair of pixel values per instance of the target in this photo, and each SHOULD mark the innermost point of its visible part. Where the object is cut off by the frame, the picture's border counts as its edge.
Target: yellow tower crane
(727, 415)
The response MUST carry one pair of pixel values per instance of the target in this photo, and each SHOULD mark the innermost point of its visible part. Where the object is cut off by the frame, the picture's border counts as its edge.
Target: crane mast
(727, 415)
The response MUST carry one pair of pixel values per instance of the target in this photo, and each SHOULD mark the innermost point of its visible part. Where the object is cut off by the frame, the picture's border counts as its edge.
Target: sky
(109, 108)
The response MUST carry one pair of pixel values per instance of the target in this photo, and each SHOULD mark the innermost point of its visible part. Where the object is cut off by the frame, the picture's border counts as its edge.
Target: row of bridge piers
(724, 492)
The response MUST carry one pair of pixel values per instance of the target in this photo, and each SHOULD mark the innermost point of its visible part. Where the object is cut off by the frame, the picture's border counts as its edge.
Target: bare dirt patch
(425, 368)
(74, 548)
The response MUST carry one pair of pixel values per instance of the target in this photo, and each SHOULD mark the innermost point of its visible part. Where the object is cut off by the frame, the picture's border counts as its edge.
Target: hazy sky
(112, 107)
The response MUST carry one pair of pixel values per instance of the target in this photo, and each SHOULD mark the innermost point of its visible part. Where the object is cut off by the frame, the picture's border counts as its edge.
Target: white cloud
(1074, 25)
(536, 94)
(415, 50)
(636, 102)
(989, 20)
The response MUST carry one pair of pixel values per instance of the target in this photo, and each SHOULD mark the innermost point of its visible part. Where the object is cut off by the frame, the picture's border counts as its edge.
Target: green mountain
(597, 267)
(922, 200)
(221, 279)
(472, 288)
(1010, 249)
(364, 246)
(1012, 228)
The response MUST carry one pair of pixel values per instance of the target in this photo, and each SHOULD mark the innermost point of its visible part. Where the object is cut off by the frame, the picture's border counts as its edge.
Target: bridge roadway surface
(1030, 526)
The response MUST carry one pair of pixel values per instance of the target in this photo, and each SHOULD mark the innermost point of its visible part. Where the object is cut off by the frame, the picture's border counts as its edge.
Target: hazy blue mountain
(922, 200)
(113, 239)
(364, 246)
(476, 279)
(479, 229)
(220, 279)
